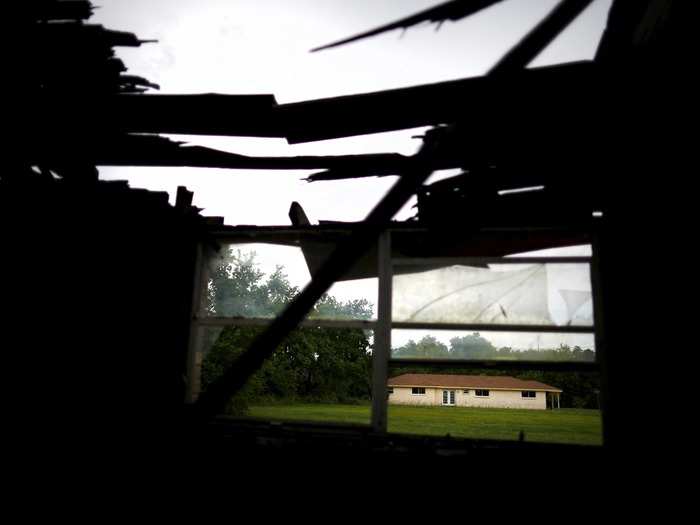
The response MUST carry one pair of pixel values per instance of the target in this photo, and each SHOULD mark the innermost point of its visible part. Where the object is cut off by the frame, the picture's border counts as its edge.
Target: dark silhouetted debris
(438, 234)
(53, 11)
(453, 10)
(541, 36)
(153, 150)
(63, 66)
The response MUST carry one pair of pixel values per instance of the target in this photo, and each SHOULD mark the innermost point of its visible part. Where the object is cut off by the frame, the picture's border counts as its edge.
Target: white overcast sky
(262, 46)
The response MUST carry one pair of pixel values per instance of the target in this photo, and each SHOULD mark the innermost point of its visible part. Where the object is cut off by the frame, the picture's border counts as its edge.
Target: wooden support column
(195, 351)
(382, 337)
(601, 350)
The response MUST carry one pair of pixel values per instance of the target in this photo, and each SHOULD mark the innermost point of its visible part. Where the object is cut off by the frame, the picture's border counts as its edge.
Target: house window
(466, 391)
(528, 393)
(418, 391)
(390, 390)
(481, 393)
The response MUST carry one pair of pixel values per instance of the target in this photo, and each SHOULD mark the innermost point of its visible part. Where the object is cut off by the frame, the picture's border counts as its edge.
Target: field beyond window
(570, 425)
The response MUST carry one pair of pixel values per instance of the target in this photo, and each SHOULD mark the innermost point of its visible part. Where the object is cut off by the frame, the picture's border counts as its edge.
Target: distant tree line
(334, 365)
(475, 346)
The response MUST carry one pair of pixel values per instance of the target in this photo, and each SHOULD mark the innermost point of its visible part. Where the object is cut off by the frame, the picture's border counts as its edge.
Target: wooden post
(382, 336)
(600, 337)
(194, 355)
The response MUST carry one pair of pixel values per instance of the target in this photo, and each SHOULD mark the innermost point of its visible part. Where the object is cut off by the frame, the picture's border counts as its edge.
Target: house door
(448, 397)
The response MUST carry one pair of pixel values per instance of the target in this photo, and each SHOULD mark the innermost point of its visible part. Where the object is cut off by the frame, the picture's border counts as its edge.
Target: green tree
(312, 363)
(472, 347)
(427, 347)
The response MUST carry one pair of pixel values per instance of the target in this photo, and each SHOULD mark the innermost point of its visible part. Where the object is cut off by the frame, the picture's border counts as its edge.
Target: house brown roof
(464, 381)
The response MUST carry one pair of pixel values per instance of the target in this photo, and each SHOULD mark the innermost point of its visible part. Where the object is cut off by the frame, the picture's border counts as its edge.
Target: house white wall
(496, 398)
(403, 396)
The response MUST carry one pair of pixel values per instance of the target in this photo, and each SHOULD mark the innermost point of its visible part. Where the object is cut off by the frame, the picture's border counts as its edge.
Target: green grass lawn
(578, 426)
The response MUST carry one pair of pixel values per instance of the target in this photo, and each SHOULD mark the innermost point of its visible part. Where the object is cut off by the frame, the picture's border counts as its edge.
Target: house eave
(480, 387)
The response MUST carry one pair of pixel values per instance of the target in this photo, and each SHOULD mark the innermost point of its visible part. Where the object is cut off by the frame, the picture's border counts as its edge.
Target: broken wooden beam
(540, 36)
(452, 10)
(538, 93)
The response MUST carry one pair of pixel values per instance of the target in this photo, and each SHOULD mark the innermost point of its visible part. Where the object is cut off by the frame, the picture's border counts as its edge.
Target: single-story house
(470, 391)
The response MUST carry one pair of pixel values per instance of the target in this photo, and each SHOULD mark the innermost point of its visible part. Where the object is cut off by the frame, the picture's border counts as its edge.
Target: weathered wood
(478, 101)
(183, 198)
(537, 92)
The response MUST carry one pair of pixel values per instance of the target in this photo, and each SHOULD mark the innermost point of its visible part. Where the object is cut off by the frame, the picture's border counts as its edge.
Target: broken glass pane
(516, 294)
